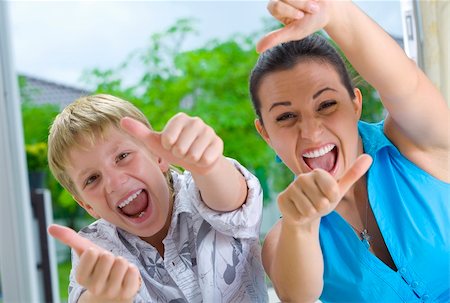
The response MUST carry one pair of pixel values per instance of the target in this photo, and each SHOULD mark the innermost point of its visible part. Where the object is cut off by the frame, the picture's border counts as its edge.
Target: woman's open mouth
(324, 158)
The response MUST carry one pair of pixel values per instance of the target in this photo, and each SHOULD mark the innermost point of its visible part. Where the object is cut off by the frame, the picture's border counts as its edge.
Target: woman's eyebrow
(323, 90)
(282, 103)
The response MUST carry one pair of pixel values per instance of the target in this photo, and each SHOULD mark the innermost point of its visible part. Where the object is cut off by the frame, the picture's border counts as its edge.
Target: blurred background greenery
(210, 82)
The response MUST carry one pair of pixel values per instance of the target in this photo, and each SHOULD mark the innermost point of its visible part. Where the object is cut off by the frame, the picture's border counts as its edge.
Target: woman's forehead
(303, 80)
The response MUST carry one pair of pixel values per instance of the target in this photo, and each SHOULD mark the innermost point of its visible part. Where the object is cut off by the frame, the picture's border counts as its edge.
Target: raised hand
(315, 194)
(185, 141)
(301, 18)
(106, 277)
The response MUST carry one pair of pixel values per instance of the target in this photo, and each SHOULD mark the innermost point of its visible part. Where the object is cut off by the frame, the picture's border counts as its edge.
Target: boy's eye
(285, 116)
(122, 156)
(90, 180)
(326, 105)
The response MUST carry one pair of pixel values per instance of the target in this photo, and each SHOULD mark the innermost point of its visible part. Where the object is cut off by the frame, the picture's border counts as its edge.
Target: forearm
(373, 53)
(406, 92)
(223, 187)
(297, 267)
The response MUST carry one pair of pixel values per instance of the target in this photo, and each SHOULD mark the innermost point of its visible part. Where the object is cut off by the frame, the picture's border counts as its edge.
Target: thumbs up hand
(315, 194)
(185, 141)
(106, 277)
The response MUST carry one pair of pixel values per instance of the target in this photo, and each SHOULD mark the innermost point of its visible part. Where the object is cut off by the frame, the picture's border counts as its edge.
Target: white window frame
(18, 266)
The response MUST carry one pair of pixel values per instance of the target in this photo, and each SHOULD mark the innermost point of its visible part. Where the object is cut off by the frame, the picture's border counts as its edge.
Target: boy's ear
(262, 131)
(357, 102)
(87, 207)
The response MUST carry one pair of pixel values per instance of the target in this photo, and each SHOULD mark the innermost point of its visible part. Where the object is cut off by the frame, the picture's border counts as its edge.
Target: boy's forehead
(87, 140)
(96, 144)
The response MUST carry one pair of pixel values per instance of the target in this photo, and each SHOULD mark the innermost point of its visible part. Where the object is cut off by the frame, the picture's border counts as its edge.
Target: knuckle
(207, 160)
(333, 193)
(181, 115)
(80, 278)
(179, 151)
(310, 212)
(323, 205)
(194, 157)
(121, 261)
(197, 121)
(273, 5)
(95, 290)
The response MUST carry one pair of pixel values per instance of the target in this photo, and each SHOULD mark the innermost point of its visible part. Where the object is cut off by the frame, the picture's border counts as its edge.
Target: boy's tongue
(138, 205)
(325, 162)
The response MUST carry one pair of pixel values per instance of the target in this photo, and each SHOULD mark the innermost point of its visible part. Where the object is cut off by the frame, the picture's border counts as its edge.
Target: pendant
(365, 238)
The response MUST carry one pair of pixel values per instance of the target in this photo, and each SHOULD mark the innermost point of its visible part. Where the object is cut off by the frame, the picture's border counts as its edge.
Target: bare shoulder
(269, 246)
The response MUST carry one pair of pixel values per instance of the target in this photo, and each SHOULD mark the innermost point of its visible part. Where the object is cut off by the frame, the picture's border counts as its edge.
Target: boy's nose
(114, 180)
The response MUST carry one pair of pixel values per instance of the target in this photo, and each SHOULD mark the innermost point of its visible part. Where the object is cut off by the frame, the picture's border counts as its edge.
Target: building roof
(41, 91)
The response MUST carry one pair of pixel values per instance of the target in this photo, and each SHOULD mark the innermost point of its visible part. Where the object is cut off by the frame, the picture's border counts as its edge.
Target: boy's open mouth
(324, 158)
(135, 205)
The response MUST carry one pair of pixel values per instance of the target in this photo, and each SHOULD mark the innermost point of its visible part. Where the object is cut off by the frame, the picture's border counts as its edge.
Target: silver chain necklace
(364, 234)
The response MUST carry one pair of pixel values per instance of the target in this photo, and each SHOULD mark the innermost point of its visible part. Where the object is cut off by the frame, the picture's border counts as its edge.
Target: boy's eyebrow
(282, 103)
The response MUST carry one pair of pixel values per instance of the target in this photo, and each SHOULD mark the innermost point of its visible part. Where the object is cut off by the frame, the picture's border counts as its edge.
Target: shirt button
(403, 270)
(425, 297)
(414, 284)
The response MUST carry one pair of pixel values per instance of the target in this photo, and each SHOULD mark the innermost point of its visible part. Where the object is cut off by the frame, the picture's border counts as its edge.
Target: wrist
(305, 228)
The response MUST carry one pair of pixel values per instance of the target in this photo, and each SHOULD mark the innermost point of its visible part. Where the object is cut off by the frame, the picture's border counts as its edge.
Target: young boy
(191, 237)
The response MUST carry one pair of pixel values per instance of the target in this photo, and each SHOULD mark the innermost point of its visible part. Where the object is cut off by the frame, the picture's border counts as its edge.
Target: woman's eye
(326, 105)
(285, 116)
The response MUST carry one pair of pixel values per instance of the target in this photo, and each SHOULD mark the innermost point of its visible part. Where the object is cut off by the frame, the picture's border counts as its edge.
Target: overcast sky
(57, 40)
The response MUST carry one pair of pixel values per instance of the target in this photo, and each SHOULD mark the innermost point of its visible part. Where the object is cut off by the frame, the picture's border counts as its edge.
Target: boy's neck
(157, 239)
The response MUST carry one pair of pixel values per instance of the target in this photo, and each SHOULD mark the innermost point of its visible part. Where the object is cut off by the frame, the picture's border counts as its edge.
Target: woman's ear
(262, 131)
(87, 207)
(357, 102)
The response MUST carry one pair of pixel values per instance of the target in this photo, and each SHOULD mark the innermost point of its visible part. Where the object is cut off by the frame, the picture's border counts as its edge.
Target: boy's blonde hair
(85, 120)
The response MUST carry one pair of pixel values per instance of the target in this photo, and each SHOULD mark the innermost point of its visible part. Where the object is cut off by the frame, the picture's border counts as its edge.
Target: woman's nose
(310, 129)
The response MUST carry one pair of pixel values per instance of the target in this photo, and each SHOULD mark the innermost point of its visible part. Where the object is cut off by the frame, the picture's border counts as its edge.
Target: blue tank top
(412, 211)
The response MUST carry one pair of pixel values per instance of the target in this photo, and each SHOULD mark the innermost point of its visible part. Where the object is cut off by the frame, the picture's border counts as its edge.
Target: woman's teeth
(319, 152)
(130, 199)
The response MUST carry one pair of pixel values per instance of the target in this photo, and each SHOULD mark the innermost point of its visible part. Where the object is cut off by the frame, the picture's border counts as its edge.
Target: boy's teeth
(130, 198)
(319, 152)
(141, 214)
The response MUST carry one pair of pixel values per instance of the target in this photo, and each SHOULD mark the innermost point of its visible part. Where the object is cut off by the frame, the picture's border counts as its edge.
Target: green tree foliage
(210, 82)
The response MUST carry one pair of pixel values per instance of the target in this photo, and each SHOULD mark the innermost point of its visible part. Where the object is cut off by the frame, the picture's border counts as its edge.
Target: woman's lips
(324, 158)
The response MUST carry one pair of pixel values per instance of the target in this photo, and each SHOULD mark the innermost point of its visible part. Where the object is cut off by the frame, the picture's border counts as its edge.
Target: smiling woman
(360, 209)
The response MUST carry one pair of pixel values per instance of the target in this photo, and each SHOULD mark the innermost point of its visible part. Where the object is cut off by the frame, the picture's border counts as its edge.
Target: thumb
(275, 37)
(141, 132)
(356, 171)
(69, 237)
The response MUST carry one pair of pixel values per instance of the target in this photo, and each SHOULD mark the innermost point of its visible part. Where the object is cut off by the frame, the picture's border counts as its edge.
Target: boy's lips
(135, 205)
